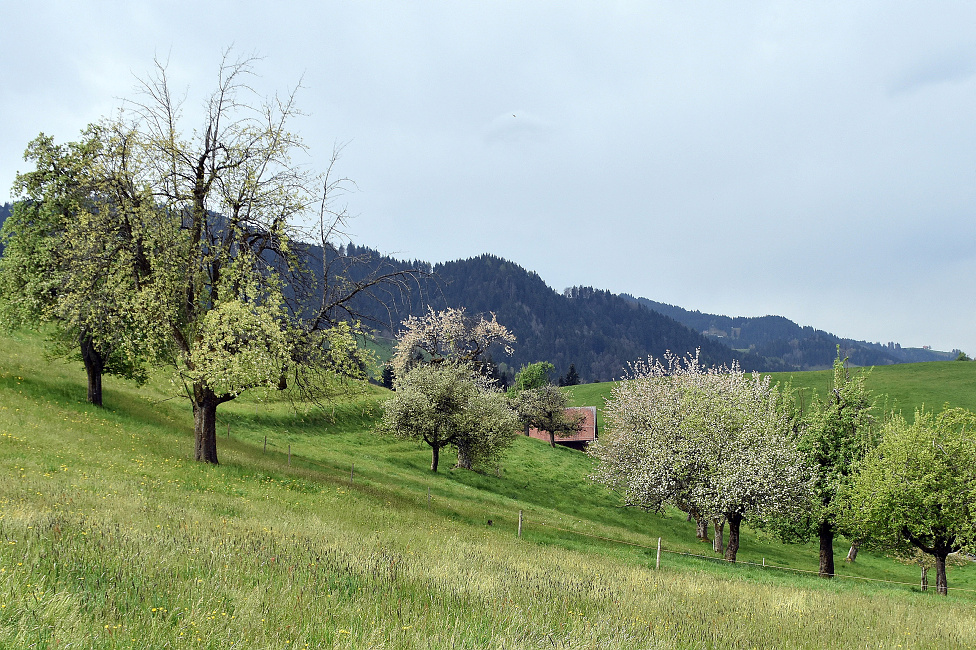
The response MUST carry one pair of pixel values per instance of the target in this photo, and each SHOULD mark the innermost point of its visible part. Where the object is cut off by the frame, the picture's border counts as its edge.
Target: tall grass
(111, 537)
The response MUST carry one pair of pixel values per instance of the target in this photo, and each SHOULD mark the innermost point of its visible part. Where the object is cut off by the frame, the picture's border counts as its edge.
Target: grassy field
(111, 537)
(904, 387)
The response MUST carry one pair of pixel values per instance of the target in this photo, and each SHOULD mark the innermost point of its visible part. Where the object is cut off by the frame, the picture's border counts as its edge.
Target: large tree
(215, 243)
(249, 305)
(917, 488)
(78, 252)
(710, 441)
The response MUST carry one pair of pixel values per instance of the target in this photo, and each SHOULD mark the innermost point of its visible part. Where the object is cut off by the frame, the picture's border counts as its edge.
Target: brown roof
(586, 434)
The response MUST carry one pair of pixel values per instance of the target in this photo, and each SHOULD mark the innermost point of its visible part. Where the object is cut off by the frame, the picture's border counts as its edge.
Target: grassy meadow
(111, 536)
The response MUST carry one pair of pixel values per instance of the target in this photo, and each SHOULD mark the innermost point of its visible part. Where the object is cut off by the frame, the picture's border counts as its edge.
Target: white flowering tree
(710, 441)
(452, 339)
(448, 335)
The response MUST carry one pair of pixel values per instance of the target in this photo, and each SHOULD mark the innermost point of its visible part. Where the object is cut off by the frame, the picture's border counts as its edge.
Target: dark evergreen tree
(388, 376)
(572, 377)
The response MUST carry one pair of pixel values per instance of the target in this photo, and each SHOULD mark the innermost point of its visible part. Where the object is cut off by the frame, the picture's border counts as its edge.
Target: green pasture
(903, 387)
(112, 537)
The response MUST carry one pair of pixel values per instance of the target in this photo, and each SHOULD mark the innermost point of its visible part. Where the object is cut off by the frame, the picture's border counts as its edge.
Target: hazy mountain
(798, 347)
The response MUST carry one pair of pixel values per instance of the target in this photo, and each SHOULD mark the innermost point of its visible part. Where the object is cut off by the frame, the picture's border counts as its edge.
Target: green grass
(904, 387)
(112, 537)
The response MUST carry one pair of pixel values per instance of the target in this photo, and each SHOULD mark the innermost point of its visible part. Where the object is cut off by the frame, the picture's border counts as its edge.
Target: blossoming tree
(710, 441)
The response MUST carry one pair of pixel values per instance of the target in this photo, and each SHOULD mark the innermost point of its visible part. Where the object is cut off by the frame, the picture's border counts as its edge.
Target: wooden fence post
(658, 565)
(289, 454)
(265, 445)
(520, 525)
(352, 471)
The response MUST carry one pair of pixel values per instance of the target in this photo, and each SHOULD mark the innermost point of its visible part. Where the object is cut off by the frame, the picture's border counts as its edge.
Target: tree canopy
(710, 441)
(202, 239)
(917, 488)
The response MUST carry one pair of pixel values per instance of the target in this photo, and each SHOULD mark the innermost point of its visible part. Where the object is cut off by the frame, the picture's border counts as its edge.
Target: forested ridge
(796, 347)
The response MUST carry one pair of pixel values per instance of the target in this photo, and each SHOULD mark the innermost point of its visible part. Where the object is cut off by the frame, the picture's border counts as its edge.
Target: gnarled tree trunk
(941, 584)
(94, 367)
(205, 403)
(464, 454)
(718, 543)
(925, 578)
(434, 457)
(851, 554)
(733, 548)
(701, 524)
(826, 533)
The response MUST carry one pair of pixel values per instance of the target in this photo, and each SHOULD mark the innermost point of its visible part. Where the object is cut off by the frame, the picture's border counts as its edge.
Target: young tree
(917, 488)
(448, 404)
(534, 375)
(711, 442)
(836, 435)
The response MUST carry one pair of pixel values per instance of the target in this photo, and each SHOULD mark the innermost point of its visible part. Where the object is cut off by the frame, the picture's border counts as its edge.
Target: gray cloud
(812, 160)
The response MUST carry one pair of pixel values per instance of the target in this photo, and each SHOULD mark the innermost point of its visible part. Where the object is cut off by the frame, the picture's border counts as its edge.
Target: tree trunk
(94, 366)
(435, 456)
(941, 584)
(552, 439)
(718, 543)
(464, 454)
(852, 554)
(925, 578)
(527, 428)
(733, 548)
(826, 549)
(205, 423)
(701, 528)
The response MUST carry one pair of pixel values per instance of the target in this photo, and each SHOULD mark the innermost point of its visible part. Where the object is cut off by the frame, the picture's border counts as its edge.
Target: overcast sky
(811, 160)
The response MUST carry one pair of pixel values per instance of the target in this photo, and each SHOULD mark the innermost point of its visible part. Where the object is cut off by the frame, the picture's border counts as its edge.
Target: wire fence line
(521, 526)
(764, 565)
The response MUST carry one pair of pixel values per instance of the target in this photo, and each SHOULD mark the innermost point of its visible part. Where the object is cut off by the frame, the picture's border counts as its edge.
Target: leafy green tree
(710, 441)
(836, 434)
(77, 253)
(533, 375)
(544, 408)
(448, 404)
(917, 488)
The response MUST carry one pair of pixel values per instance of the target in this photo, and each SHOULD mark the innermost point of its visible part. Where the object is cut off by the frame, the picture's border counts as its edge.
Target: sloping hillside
(110, 536)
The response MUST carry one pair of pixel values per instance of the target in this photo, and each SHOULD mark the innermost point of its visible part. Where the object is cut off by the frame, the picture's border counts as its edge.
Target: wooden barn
(578, 440)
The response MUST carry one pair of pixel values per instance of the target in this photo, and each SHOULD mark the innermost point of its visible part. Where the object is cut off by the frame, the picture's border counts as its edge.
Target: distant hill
(597, 331)
(796, 347)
